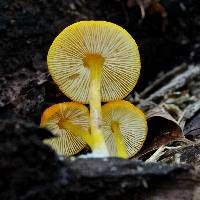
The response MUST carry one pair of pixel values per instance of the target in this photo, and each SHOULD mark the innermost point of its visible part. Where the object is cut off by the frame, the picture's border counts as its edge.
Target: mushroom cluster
(94, 62)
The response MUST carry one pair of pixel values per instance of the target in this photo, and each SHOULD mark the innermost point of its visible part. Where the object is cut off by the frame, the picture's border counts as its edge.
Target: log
(31, 170)
(131, 179)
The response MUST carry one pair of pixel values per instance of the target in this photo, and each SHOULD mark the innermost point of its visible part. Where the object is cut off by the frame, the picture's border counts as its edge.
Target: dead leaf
(162, 130)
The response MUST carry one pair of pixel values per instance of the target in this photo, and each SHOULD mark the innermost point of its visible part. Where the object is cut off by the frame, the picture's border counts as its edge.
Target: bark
(31, 170)
(131, 179)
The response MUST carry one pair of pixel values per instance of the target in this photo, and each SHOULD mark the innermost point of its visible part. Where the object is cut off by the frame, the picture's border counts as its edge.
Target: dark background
(167, 36)
(28, 27)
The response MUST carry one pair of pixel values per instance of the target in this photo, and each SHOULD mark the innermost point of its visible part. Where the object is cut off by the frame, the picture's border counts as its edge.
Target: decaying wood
(160, 81)
(176, 83)
(177, 92)
(189, 112)
(182, 154)
(129, 179)
(35, 172)
(192, 128)
(31, 170)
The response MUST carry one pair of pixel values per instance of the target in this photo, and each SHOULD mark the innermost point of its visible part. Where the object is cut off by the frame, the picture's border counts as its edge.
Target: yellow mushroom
(94, 61)
(70, 122)
(124, 127)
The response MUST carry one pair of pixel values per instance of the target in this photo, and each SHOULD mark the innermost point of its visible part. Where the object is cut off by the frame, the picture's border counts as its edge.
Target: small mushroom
(94, 61)
(124, 127)
(70, 122)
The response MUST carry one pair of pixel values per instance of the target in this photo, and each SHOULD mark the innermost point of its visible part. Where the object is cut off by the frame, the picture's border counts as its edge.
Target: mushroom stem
(121, 148)
(77, 131)
(95, 64)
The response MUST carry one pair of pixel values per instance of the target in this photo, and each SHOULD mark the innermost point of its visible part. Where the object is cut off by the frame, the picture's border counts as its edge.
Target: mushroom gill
(124, 127)
(70, 123)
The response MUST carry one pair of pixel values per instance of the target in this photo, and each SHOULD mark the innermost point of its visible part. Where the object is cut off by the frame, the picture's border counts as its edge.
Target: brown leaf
(162, 130)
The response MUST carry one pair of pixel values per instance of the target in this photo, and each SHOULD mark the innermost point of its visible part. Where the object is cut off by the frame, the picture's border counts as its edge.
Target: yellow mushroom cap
(121, 66)
(66, 143)
(132, 124)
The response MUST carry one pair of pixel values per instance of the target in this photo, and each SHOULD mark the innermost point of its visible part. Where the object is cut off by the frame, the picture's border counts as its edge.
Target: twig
(159, 81)
(176, 83)
(189, 112)
(159, 152)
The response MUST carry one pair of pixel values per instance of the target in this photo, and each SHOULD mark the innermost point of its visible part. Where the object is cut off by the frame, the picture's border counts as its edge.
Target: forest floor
(168, 36)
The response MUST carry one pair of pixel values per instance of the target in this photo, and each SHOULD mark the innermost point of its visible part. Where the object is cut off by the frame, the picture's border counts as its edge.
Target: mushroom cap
(120, 70)
(132, 124)
(66, 143)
